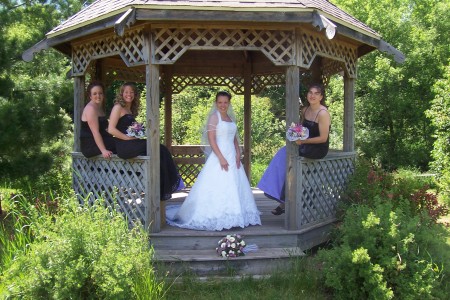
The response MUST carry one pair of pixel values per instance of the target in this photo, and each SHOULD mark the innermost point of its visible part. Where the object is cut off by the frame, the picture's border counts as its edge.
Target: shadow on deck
(179, 250)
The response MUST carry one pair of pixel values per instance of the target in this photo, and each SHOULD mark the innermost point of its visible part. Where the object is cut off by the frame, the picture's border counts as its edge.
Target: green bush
(81, 253)
(380, 255)
(389, 244)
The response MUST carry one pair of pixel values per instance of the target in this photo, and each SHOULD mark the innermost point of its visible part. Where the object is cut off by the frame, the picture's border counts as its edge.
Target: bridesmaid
(316, 118)
(123, 114)
(94, 138)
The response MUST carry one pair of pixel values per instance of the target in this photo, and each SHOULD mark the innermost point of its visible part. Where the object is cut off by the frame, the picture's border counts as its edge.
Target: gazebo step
(209, 241)
(209, 263)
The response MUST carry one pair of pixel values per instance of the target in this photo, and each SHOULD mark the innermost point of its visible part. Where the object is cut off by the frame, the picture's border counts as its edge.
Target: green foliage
(391, 99)
(78, 252)
(34, 98)
(439, 114)
(383, 247)
(380, 255)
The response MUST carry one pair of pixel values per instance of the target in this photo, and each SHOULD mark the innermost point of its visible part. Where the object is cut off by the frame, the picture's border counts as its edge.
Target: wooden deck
(182, 250)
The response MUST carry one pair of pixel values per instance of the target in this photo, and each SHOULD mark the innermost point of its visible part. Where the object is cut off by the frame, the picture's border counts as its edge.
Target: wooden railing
(122, 183)
(189, 160)
(319, 186)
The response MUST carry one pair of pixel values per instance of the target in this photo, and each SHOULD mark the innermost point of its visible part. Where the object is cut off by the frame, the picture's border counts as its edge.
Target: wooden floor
(270, 223)
(179, 250)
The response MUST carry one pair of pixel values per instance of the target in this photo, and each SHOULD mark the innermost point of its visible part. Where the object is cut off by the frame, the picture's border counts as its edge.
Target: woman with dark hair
(316, 118)
(122, 116)
(94, 138)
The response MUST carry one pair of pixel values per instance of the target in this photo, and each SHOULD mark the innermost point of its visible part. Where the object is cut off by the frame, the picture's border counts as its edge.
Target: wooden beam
(223, 16)
(390, 50)
(292, 109)
(152, 114)
(247, 116)
(316, 70)
(127, 19)
(28, 54)
(349, 114)
(168, 110)
(78, 105)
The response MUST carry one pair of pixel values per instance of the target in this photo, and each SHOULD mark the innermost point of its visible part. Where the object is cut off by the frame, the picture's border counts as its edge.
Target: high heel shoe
(278, 211)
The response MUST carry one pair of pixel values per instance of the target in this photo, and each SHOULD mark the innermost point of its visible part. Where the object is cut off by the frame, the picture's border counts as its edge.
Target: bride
(221, 197)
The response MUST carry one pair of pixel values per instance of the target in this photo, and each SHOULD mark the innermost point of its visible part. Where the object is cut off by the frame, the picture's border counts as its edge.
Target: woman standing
(123, 115)
(316, 118)
(221, 197)
(94, 138)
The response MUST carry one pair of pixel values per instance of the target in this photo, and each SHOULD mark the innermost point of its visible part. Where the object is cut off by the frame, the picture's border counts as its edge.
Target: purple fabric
(274, 177)
(181, 185)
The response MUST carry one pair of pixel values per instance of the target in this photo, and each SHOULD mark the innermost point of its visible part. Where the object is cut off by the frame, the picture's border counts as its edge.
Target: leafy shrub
(371, 184)
(389, 244)
(379, 255)
(81, 253)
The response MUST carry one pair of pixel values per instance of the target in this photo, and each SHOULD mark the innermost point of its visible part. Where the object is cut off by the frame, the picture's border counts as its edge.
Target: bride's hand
(224, 164)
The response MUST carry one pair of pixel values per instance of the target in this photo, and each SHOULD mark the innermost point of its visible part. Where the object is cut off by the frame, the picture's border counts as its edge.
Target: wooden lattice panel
(179, 83)
(329, 68)
(171, 43)
(190, 161)
(130, 47)
(120, 183)
(260, 82)
(320, 184)
(113, 73)
(312, 44)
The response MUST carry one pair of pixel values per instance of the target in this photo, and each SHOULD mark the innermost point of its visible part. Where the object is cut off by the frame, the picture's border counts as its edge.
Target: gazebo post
(349, 114)
(168, 109)
(153, 164)
(78, 91)
(247, 117)
(292, 109)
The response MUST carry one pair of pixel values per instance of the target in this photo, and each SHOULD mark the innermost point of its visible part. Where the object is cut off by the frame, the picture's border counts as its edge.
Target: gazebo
(243, 45)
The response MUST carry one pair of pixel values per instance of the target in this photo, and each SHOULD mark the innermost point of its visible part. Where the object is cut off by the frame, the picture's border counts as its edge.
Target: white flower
(233, 245)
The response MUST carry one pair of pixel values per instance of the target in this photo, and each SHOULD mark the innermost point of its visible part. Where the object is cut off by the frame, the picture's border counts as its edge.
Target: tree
(391, 99)
(34, 97)
(439, 114)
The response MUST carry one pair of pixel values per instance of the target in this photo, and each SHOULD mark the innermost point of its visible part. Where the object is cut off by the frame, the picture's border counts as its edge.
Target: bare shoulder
(89, 112)
(324, 113)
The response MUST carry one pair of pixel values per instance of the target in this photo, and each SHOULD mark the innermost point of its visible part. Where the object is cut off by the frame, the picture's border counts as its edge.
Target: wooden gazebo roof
(104, 14)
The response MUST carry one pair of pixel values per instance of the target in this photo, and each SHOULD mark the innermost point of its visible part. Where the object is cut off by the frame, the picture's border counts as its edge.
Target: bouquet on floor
(297, 132)
(136, 130)
(231, 246)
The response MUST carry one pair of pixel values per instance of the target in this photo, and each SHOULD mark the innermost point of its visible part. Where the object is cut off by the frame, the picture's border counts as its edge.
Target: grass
(302, 281)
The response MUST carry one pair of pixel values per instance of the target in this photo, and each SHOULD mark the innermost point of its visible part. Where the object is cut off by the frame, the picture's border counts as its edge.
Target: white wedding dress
(219, 199)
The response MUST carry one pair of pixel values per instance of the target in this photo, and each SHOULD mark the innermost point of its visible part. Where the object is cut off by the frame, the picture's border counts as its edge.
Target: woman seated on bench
(122, 116)
(316, 118)
(94, 139)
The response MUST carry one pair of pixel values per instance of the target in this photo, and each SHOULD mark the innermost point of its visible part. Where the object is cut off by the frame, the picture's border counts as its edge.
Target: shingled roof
(103, 9)
(105, 14)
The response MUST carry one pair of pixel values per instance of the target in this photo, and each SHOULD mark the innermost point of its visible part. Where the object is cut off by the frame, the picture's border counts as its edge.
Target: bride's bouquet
(136, 130)
(297, 132)
(231, 246)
